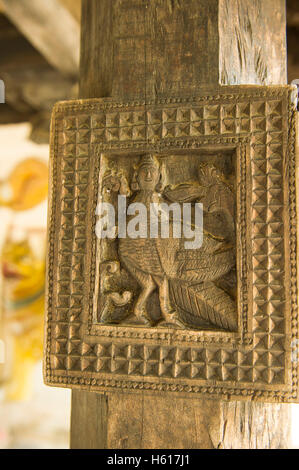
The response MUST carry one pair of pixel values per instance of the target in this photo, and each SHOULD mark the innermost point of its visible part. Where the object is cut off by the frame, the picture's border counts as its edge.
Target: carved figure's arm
(186, 192)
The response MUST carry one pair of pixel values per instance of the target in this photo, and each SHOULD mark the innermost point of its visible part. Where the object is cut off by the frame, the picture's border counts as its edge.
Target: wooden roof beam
(51, 28)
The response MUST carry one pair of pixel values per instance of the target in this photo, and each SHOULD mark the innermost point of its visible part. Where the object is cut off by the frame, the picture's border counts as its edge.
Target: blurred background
(39, 63)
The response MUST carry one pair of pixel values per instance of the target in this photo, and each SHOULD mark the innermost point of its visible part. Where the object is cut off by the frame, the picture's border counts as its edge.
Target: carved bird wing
(214, 258)
(210, 262)
(204, 302)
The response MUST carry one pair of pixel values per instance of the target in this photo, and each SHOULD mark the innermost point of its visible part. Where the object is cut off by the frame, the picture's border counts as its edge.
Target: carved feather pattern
(205, 302)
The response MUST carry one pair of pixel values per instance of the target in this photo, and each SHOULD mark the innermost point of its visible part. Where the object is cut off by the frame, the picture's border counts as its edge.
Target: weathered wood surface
(126, 421)
(255, 426)
(251, 42)
(146, 48)
(89, 421)
(51, 28)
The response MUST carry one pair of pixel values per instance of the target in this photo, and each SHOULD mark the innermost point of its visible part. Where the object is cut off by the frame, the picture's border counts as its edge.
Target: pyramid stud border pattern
(254, 364)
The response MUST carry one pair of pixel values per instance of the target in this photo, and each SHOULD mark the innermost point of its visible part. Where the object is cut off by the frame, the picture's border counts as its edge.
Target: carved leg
(169, 314)
(148, 286)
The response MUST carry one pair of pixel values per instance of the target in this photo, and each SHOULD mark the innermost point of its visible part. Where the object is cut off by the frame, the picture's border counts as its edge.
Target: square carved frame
(258, 362)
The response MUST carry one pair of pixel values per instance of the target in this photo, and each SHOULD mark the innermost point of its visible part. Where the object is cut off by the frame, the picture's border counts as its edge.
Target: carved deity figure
(195, 286)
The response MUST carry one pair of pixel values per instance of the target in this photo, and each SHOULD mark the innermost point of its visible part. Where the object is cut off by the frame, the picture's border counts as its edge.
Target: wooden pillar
(144, 49)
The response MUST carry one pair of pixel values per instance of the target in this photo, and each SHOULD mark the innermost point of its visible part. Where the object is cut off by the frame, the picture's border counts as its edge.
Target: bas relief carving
(152, 314)
(157, 281)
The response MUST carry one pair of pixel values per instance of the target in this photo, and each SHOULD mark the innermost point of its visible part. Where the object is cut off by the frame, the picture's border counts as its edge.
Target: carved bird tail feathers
(205, 302)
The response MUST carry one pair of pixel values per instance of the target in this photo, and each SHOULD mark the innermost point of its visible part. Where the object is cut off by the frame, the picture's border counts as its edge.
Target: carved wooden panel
(148, 313)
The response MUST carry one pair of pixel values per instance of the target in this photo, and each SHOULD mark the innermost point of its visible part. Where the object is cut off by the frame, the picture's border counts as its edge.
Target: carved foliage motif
(256, 124)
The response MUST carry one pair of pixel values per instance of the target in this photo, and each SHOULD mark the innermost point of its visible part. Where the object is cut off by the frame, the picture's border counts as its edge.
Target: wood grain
(148, 48)
(254, 426)
(252, 42)
(89, 421)
(126, 421)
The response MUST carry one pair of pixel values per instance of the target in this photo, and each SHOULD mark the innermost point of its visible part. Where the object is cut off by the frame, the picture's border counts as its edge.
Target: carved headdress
(148, 160)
